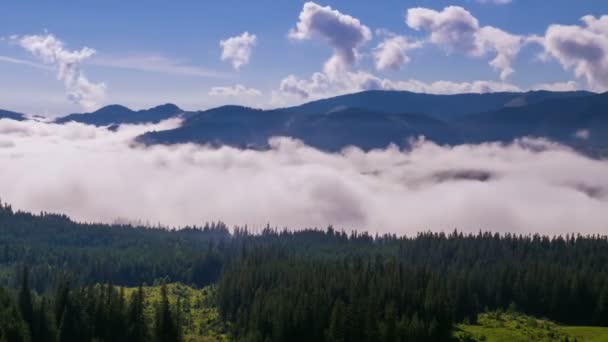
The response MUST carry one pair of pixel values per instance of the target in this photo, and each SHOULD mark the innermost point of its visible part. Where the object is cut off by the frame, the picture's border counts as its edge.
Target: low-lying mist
(93, 174)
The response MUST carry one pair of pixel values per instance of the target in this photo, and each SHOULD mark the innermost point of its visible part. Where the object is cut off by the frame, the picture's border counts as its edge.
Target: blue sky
(147, 53)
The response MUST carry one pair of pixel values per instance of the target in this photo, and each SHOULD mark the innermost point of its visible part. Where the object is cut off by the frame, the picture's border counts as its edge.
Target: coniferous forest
(67, 281)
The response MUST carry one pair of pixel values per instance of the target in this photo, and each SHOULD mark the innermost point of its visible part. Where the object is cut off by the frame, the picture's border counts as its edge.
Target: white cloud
(558, 86)
(392, 52)
(344, 33)
(238, 49)
(51, 50)
(583, 49)
(294, 90)
(7, 59)
(155, 63)
(583, 134)
(456, 30)
(234, 91)
(529, 186)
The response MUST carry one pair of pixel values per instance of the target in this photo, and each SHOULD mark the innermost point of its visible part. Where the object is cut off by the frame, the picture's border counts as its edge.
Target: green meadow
(515, 327)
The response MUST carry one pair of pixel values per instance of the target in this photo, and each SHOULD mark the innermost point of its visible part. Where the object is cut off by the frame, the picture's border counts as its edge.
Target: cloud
(238, 49)
(582, 134)
(234, 91)
(456, 30)
(93, 174)
(51, 51)
(155, 63)
(345, 34)
(7, 59)
(581, 48)
(558, 86)
(391, 54)
(320, 85)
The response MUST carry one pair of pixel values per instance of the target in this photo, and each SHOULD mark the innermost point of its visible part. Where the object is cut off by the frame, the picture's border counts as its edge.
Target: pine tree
(165, 327)
(25, 300)
(137, 329)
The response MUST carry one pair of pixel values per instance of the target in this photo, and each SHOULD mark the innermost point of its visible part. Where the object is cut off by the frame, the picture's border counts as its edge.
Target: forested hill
(117, 114)
(313, 285)
(376, 119)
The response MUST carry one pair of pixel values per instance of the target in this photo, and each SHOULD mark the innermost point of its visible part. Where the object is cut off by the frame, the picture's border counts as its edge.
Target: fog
(93, 174)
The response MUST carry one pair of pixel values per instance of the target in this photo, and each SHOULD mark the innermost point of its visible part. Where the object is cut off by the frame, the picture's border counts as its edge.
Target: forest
(67, 281)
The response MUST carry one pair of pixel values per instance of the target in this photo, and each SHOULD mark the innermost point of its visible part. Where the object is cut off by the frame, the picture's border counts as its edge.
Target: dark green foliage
(12, 326)
(137, 329)
(165, 325)
(308, 285)
(53, 246)
(25, 300)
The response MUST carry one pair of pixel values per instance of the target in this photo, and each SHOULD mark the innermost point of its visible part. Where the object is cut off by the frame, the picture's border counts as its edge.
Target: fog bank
(93, 174)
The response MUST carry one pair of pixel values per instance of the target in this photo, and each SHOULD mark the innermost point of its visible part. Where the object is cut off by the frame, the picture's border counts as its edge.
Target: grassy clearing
(513, 327)
(198, 315)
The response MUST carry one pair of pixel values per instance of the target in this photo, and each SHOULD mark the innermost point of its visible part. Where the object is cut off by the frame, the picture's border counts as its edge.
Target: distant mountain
(559, 119)
(446, 107)
(368, 129)
(246, 127)
(5, 114)
(117, 114)
(375, 119)
(226, 125)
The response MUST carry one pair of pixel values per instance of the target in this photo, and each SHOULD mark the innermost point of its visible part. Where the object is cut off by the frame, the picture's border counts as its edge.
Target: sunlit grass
(514, 327)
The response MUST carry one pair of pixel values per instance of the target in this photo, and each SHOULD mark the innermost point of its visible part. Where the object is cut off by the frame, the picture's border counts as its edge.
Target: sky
(59, 57)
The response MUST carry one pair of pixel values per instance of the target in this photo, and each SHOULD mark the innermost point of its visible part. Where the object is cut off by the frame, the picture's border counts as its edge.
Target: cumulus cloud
(238, 49)
(391, 54)
(456, 30)
(52, 51)
(93, 174)
(344, 33)
(320, 85)
(581, 48)
(235, 91)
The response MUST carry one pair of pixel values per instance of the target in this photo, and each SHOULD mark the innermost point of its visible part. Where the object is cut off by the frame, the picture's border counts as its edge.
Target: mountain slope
(116, 114)
(559, 119)
(5, 114)
(226, 125)
(367, 129)
(445, 107)
(246, 127)
(558, 116)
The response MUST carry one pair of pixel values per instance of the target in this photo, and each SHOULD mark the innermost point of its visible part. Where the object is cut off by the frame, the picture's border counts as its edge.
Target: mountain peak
(113, 108)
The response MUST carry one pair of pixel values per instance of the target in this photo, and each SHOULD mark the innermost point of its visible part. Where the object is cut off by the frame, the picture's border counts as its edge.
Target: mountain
(375, 119)
(368, 129)
(5, 114)
(247, 127)
(559, 119)
(446, 107)
(117, 114)
(230, 125)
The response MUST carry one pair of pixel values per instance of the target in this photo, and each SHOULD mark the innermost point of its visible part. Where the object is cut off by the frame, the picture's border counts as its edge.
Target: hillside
(444, 107)
(366, 288)
(117, 114)
(515, 327)
(573, 118)
(557, 119)
(5, 114)
(251, 128)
